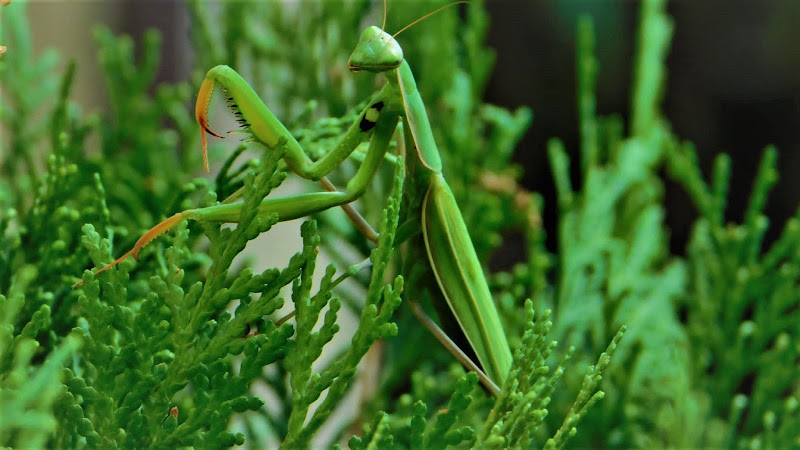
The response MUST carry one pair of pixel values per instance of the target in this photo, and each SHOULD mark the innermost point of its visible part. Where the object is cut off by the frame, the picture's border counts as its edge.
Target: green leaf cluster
(190, 346)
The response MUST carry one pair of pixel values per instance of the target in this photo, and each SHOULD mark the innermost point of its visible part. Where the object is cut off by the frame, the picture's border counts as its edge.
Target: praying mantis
(445, 241)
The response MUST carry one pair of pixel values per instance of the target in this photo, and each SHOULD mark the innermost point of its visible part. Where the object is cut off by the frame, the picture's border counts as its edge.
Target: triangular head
(377, 51)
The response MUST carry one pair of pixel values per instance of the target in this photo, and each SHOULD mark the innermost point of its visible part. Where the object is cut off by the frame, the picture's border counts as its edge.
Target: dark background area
(733, 86)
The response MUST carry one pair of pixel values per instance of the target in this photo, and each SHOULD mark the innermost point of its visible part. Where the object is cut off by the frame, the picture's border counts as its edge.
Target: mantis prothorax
(448, 249)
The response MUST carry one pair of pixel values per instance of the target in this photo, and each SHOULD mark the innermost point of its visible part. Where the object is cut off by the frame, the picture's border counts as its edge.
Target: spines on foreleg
(201, 114)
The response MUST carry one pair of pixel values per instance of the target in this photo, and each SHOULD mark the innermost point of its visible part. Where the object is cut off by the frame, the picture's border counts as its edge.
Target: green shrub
(187, 346)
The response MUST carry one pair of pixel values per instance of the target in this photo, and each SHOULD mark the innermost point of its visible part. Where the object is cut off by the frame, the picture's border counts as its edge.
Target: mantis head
(377, 51)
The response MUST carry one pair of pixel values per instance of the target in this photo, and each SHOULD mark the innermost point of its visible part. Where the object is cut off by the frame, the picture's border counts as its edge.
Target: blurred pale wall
(68, 26)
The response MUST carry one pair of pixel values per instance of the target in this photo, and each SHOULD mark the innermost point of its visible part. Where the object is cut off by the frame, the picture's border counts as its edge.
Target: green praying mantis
(445, 241)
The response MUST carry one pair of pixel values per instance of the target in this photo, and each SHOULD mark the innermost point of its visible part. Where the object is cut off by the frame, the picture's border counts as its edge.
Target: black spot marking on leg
(370, 117)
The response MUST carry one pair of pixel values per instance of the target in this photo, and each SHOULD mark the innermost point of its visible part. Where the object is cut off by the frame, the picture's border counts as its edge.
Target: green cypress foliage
(191, 346)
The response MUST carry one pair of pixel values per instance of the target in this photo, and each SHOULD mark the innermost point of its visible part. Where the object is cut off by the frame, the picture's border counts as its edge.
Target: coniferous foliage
(616, 342)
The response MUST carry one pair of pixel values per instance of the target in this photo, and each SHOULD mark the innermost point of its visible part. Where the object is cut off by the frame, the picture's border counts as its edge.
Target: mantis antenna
(383, 25)
(421, 18)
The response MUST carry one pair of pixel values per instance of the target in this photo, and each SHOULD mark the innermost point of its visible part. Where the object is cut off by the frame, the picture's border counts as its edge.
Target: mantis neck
(416, 119)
